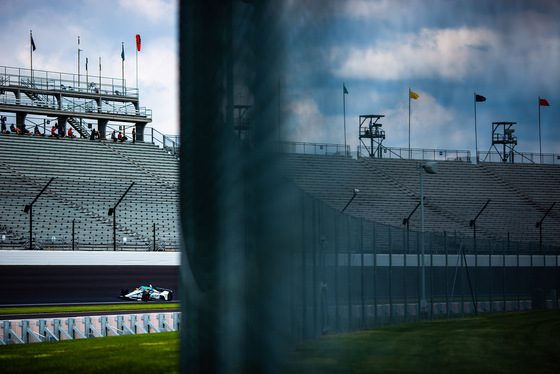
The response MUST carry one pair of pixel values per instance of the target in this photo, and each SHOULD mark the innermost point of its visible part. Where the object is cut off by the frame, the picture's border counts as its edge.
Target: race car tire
(145, 296)
(170, 296)
(161, 297)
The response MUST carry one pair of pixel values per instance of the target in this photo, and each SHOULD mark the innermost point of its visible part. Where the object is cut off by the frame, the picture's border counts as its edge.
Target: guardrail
(55, 329)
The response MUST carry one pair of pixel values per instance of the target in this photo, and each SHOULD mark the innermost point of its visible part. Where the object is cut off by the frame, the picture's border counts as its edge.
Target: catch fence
(348, 273)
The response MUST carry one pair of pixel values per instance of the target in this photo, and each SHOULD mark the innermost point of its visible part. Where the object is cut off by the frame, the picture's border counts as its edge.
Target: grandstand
(89, 178)
(389, 189)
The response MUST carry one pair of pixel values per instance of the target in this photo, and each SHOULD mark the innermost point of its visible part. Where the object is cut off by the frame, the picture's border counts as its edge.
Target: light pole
(539, 224)
(29, 209)
(113, 212)
(429, 167)
(472, 223)
(353, 197)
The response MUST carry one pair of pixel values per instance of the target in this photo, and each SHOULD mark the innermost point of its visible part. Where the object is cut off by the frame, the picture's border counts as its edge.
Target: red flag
(138, 42)
(543, 102)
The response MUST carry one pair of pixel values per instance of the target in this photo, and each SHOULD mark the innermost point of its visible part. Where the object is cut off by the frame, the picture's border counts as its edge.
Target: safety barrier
(55, 329)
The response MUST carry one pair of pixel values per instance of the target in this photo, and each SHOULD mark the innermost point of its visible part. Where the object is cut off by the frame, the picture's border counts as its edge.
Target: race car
(147, 293)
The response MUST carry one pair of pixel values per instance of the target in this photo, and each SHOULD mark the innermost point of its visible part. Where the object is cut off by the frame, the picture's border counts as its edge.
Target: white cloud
(432, 53)
(153, 10)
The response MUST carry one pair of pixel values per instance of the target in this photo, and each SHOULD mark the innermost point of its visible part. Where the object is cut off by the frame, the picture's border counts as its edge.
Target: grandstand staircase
(42, 101)
(82, 130)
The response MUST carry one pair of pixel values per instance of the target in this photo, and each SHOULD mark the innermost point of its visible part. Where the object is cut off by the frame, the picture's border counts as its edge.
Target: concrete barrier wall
(66, 258)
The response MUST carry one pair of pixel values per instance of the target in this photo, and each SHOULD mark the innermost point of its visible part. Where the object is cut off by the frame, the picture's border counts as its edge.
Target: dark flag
(138, 42)
(543, 102)
(33, 43)
(480, 98)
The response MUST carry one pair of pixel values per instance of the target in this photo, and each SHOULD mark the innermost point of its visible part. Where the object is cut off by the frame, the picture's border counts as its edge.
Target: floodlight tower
(502, 133)
(372, 130)
(241, 123)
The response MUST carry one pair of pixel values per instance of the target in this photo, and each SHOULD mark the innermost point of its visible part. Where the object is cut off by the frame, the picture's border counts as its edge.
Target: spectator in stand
(61, 132)
(24, 131)
(13, 128)
(71, 133)
(36, 131)
(121, 137)
(53, 132)
(113, 136)
(4, 129)
(92, 135)
(133, 135)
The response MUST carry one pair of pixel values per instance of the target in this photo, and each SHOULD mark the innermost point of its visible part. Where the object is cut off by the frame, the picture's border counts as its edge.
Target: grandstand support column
(62, 122)
(20, 118)
(140, 126)
(102, 127)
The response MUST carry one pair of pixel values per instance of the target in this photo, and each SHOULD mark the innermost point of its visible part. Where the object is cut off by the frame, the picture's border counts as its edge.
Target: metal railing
(421, 154)
(315, 148)
(170, 143)
(65, 82)
(78, 105)
(521, 158)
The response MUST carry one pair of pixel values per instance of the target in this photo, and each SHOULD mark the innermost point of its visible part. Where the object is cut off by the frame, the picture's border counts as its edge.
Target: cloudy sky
(102, 26)
(507, 51)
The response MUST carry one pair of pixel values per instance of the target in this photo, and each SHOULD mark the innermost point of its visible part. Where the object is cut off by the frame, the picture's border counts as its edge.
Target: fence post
(363, 322)
(405, 241)
(390, 275)
(374, 275)
(349, 269)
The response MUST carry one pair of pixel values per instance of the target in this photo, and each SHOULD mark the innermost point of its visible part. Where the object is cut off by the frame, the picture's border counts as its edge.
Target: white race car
(147, 293)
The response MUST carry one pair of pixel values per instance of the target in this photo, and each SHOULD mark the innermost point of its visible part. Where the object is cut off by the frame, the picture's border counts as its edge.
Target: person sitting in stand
(53, 132)
(13, 128)
(36, 131)
(121, 137)
(133, 135)
(4, 128)
(92, 135)
(24, 131)
(61, 132)
(114, 136)
(71, 133)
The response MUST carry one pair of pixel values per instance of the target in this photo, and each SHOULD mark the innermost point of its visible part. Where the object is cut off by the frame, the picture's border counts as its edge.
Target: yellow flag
(413, 95)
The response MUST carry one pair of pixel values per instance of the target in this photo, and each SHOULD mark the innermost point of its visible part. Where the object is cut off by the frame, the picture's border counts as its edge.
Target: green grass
(86, 308)
(523, 342)
(144, 353)
(520, 342)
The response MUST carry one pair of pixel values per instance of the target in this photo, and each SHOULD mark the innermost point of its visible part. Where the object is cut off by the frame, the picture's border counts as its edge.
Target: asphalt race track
(79, 284)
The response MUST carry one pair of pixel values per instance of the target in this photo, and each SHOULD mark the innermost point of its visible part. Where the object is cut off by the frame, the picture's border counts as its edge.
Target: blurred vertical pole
(336, 301)
(234, 206)
(374, 241)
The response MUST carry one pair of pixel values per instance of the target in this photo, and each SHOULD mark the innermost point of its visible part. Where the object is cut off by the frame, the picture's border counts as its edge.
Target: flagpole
(122, 55)
(136, 68)
(31, 53)
(475, 132)
(78, 62)
(409, 150)
(540, 147)
(344, 110)
(99, 74)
